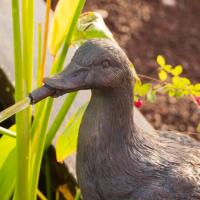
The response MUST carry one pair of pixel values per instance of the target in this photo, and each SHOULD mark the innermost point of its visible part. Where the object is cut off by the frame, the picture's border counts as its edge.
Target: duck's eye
(106, 63)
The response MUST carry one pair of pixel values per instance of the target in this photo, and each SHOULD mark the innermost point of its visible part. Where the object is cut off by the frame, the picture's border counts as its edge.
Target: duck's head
(97, 64)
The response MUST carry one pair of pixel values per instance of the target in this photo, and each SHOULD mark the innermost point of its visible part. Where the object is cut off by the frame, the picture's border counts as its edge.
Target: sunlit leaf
(198, 128)
(179, 94)
(7, 166)
(171, 93)
(62, 20)
(134, 72)
(180, 82)
(197, 86)
(161, 60)
(176, 81)
(162, 75)
(151, 96)
(67, 141)
(185, 81)
(91, 25)
(145, 89)
(177, 70)
(167, 68)
(6, 145)
(137, 87)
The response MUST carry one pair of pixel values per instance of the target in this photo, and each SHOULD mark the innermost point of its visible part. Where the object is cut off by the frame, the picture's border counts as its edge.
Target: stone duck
(117, 160)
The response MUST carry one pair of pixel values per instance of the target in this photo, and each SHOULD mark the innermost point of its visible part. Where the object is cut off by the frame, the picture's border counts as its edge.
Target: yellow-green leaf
(177, 70)
(198, 128)
(161, 60)
(134, 72)
(64, 15)
(197, 86)
(7, 166)
(144, 89)
(91, 25)
(67, 141)
(162, 75)
(167, 68)
(151, 96)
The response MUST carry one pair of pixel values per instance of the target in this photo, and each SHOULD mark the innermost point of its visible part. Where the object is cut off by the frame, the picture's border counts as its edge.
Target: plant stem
(7, 132)
(22, 142)
(38, 144)
(41, 196)
(78, 194)
(48, 8)
(39, 55)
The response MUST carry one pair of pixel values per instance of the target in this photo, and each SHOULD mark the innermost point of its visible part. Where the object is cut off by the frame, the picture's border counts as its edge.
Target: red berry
(197, 99)
(138, 103)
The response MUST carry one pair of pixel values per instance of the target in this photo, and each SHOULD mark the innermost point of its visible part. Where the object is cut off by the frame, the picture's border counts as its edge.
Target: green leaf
(67, 141)
(134, 71)
(167, 68)
(176, 81)
(180, 82)
(7, 166)
(162, 75)
(137, 87)
(8, 175)
(62, 20)
(91, 25)
(161, 60)
(151, 96)
(145, 88)
(171, 93)
(177, 70)
(6, 145)
(179, 94)
(185, 81)
(197, 86)
(198, 128)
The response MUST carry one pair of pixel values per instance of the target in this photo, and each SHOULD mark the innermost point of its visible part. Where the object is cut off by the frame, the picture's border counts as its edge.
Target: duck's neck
(108, 120)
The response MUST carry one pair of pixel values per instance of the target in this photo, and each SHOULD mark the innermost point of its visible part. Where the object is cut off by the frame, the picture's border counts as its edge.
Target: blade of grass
(78, 194)
(28, 40)
(44, 50)
(39, 55)
(41, 195)
(22, 142)
(38, 144)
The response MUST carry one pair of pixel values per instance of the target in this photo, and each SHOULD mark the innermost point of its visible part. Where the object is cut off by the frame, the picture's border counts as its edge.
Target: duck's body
(115, 159)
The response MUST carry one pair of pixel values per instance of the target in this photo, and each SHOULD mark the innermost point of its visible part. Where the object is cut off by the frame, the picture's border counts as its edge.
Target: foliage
(170, 82)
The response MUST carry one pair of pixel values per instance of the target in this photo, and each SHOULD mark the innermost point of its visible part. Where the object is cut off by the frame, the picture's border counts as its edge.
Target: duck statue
(116, 159)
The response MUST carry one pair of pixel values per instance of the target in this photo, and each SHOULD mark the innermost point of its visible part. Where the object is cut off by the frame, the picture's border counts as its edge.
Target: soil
(145, 29)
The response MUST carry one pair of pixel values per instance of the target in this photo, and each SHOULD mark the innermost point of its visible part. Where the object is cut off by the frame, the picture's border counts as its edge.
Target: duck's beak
(70, 80)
